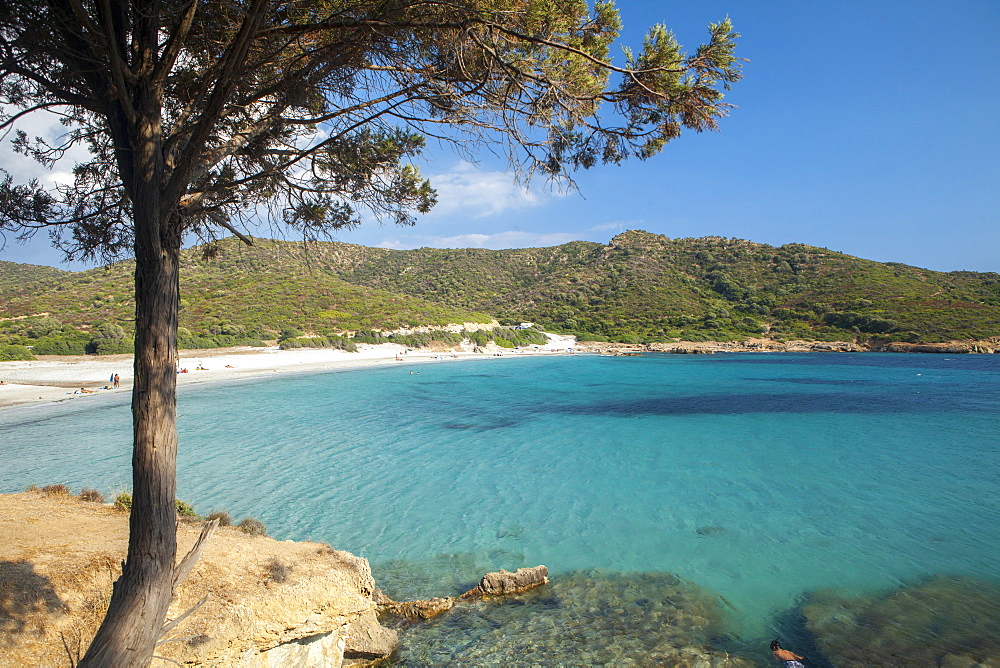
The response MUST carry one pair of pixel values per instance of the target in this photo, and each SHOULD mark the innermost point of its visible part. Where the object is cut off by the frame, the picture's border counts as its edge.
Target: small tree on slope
(199, 115)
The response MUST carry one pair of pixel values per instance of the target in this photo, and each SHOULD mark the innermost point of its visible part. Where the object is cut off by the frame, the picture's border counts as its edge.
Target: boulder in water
(504, 582)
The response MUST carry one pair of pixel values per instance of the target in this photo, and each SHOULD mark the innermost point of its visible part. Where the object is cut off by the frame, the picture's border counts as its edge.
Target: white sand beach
(61, 378)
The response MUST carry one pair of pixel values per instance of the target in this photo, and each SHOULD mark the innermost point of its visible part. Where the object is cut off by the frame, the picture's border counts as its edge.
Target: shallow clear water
(758, 478)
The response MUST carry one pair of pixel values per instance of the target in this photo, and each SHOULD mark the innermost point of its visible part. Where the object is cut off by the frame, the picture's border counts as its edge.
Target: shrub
(253, 527)
(42, 326)
(289, 333)
(111, 346)
(200, 342)
(61, 344)
(124, 501)
(92, 495)
(9, 353)
(184, 509)
(31, 488)
(225, 519)
(363, 336)
(56, 490)
(336, 341)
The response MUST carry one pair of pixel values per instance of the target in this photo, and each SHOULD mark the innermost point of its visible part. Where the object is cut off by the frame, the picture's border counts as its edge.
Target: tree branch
(189, 560)
(174, 45)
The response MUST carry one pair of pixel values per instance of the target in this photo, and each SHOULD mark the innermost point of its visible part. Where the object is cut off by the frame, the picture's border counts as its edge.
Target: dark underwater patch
(942, 621)
(736, 404)
(480, 427)
(818, 381)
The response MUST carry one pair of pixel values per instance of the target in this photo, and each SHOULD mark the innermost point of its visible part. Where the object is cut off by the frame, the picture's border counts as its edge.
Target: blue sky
(869, 128)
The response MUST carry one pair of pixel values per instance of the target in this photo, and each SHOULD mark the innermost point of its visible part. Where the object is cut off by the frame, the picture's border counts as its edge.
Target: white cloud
(478, 194)
(47, 126)
(496, 241)
(617, 227)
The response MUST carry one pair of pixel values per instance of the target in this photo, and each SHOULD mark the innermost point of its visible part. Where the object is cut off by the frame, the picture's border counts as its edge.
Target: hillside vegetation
(639, 287)
(239, 296)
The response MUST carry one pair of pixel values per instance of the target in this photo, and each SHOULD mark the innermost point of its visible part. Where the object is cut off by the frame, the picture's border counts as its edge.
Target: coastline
(53, 378)
(988, 346)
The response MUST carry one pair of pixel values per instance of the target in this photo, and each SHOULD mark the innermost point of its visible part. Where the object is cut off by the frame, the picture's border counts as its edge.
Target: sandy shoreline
(59, 378)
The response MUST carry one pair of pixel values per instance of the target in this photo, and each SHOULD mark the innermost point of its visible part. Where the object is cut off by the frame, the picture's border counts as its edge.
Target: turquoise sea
(846, 502)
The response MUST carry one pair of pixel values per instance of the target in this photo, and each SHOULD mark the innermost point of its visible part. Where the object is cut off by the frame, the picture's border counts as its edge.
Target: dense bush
(42, 326)
(864, 322)
(9, 353)
(363, 336)
(110, 338)
(425, 339)
(335, 341)
(62, 343)
(289, 333)
(111, 347)
(199, 342)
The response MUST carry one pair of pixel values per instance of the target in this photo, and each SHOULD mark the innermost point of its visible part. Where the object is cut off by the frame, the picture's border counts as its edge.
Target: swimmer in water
(784, 657)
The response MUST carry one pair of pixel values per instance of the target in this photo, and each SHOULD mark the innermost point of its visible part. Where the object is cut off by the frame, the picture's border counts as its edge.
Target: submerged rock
(581, 618)
(500, 583)
(423, 609)
(709, 530)
(944, 621)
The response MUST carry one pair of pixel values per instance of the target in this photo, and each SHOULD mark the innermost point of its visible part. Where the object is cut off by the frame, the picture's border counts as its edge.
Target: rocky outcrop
(500, 583)
(423, 609)
(323, 651)
(270, 603)
(368, 641)
(503, 582)
(987, 346)
(709, 347)
(951, 348)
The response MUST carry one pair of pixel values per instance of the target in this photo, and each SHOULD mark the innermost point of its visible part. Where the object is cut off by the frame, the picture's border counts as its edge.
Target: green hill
(645, 287)
(240, 296)
(15, 277)
(639, 287)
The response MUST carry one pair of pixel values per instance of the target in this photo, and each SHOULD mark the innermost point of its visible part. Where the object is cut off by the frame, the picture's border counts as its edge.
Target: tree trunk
(142, 594)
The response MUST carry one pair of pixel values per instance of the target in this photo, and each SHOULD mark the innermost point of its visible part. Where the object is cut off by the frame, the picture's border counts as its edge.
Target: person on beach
(116, 381)
(784, 657)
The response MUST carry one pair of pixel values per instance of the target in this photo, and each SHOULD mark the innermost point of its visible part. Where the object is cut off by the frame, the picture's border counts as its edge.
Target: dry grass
(278, 571)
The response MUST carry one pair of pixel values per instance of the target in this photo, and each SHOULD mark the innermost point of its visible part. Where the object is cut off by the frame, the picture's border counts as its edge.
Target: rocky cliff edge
(269, 602)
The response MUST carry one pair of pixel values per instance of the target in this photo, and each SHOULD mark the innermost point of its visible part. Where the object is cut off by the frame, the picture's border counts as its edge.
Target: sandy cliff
(270, 602)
